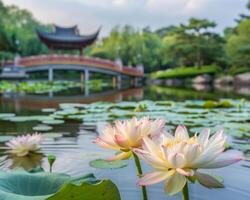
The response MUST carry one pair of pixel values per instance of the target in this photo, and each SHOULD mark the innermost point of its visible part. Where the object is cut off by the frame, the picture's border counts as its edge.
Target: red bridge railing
(78, 60)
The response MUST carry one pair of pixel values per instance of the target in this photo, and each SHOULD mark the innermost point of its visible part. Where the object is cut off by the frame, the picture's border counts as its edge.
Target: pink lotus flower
(25, 144)
(128, 134)
(176, 159)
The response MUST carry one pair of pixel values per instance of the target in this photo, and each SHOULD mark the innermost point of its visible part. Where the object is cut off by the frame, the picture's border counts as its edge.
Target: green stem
(50, 168)
(185, 194)
(139, 174)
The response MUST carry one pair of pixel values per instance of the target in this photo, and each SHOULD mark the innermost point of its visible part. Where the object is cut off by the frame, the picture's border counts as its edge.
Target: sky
(90, 14)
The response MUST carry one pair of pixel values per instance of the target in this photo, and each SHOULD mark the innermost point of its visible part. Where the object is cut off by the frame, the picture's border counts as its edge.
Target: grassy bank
(238, 70)
(183, 72)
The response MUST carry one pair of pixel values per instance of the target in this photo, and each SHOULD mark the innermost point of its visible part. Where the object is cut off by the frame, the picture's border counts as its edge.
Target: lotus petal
(225, 159)
(155, 177)
(175, 184)
(208, 181)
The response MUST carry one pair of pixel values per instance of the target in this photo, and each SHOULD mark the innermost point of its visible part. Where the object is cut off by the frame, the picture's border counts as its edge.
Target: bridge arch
(84, 64)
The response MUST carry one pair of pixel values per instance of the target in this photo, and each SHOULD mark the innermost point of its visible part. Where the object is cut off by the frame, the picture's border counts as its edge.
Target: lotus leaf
(6, 115)
(116, 113)
(29, 118)
(40, 185)
(5, 138)
(104, 164)
(42, 127)
(53, 121)
(76, 117)
(71, 105)
(48, 110)
(125, 105)
(52, 135)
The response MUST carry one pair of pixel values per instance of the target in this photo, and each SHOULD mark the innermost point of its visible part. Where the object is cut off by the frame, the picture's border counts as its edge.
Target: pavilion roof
(66, 38)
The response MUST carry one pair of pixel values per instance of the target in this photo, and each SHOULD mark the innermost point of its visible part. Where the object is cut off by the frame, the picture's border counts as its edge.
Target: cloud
(90, 14)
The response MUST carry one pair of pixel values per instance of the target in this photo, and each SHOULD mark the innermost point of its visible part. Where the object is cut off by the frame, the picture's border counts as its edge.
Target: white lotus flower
(176, 159)
(25, 144)
(128, 134)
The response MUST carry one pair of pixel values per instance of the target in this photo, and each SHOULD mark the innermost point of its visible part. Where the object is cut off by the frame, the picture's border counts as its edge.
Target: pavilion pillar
(50, 74)
(86, 80)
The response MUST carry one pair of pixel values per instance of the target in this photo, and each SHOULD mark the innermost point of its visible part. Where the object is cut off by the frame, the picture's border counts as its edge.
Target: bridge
(85, 65)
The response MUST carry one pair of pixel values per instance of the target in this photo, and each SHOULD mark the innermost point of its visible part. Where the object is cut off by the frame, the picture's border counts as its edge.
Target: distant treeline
(191, 44)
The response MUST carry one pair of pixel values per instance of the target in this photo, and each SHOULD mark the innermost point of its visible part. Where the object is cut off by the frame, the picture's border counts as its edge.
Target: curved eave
(59, 41)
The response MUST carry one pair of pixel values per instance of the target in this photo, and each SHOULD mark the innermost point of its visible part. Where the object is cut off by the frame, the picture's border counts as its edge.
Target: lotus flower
(176, 159)
(25, 144)
(128, 134)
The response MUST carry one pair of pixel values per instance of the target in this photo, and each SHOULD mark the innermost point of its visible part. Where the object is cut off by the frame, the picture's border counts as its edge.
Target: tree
(17, 32)
(193, 44)
(131, 46)
(151, 49)
(4, 43)
(197, 29)
(238, 46)
(162, 32)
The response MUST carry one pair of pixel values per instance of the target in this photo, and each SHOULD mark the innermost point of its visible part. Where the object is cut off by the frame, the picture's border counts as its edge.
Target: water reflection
(196, 92)
(19, 101)
(27, 162)
(16, 102)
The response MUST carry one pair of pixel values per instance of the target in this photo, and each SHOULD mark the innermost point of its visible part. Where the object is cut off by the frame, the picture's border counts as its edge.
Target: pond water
(68, 120)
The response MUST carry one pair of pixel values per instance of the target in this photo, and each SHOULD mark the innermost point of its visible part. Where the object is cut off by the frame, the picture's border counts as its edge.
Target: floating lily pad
(29, 118)
(245, 127)
(48, 110)
(53, 121)
(157, 108)
(19, 119)
(126, 105)
(70, 111)
(42, 128)
(191, 110)
(104, 164)
(52, 135)
(116, 113)
(5, 138)
(76, 117)
(71, 105)
(165, 103)
(6, 115)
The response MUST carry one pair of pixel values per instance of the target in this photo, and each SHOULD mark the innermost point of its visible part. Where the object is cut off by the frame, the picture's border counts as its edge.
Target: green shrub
(183, 72)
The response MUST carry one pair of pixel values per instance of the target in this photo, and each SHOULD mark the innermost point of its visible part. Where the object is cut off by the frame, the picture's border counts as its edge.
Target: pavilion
(66, 38)
(70, 39)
